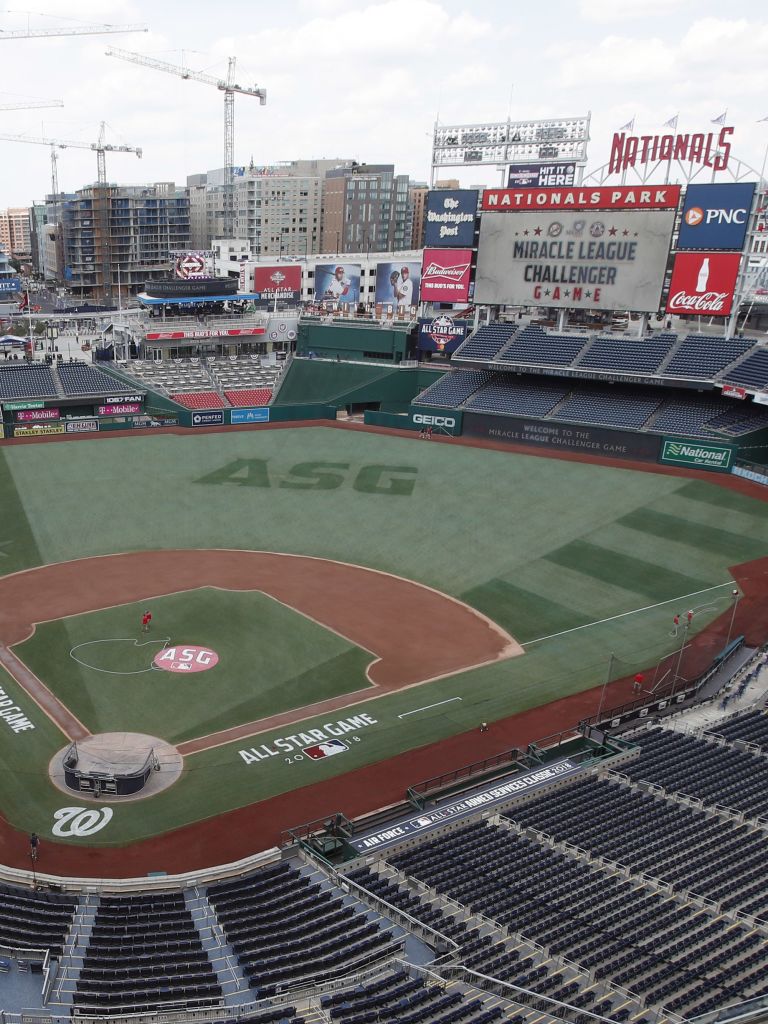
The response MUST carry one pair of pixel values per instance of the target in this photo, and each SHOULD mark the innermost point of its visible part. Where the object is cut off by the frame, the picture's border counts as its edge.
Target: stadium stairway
(415, 951)
(670, 355)
(584, 351)
(234, 984)
(60, 393)
(73, 955)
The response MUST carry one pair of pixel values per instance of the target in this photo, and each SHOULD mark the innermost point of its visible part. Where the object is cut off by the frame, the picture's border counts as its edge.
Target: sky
(367, 79)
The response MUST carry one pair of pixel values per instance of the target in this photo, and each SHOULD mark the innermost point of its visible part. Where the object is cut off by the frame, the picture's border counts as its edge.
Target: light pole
(605, 684)
(34, 846)
(735, 594)
(676, 676)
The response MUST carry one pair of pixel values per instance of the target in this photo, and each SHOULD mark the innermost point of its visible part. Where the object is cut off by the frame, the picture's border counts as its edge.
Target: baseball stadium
(363, 686)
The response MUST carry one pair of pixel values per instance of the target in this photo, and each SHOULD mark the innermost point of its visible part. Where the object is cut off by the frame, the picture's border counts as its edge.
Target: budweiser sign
(711, 149)
(445, 275)
(703, 282)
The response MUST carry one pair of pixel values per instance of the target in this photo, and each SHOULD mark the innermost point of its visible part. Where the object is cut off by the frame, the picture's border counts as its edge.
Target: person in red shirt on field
(146, 619)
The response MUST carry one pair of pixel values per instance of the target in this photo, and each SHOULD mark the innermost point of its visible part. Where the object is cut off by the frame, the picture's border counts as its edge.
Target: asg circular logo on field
(185, 659)
(694, 216)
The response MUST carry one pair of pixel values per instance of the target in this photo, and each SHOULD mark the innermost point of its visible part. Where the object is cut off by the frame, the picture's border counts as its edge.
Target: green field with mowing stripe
(575, 561)
(271, 659)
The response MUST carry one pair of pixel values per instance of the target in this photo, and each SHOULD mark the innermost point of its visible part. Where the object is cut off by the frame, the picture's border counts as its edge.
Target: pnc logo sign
(185, 659)
(696, 216)
(716, 217)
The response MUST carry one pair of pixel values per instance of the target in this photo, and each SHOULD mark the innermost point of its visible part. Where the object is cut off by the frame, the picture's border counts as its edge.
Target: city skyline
(369, 82)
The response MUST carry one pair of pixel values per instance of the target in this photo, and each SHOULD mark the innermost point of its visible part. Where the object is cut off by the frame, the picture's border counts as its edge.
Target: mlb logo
(326, 749)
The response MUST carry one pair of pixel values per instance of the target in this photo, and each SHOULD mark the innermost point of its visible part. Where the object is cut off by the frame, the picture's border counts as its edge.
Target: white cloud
(608, 11)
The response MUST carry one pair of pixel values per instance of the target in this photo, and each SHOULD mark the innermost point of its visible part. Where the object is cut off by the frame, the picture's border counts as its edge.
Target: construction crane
(229, 87)
(31, 104)
(82, 30)
(100, 147)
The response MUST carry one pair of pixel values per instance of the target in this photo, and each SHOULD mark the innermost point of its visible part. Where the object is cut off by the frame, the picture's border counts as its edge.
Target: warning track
(415, 633)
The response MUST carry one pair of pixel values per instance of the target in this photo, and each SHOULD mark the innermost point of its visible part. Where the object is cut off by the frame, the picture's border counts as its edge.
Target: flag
(671, 123)
(721, 119)
(628, 127)
(24, 302)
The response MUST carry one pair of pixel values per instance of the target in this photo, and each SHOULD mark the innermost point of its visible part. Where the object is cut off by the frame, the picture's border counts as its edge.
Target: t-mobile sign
(703, 283)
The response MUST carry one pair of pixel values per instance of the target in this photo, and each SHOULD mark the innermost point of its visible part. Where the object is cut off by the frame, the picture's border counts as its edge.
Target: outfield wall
(615, 444)
(345, 384)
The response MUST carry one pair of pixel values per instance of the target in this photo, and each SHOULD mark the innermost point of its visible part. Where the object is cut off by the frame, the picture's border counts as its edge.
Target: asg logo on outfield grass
(185, 659)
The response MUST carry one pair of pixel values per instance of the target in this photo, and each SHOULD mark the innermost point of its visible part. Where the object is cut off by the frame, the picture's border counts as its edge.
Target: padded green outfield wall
(344, 384)
(352, 341)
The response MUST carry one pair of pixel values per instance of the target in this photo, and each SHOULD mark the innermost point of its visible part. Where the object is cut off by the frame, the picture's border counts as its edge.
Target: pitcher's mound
(116, 766)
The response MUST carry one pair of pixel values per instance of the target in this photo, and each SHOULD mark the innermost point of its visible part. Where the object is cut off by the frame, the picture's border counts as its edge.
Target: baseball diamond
(356, 629)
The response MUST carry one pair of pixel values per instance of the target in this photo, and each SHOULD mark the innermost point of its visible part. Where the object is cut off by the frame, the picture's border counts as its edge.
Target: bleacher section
(248, 397)
(82, 379)
(717, 775)
(283, 926)
(609, 408)
(700, 357)
(485, 344)
(688, 848)
(749, 727)
(666, 951)
(401, 999)
(454, 388)
(752, 372)
(516, 399)
(619, 405)
(643, 356)
(34, 920)
(533, 345)
(144, 952)
(199, 399)
(663, 354)
(209, 383)
(26, 380)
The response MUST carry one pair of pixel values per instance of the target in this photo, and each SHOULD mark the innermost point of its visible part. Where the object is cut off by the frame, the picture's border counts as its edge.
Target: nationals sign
(622, 197)
(711, 149)
(703, 282)
(445, 275)
(283, 282)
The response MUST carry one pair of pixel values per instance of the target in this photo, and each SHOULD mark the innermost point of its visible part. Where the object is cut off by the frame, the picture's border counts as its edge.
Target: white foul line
(439, 704)
(623, 615)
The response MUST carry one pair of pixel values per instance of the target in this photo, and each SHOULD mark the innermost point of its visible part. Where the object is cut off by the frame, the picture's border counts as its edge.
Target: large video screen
(585, 260)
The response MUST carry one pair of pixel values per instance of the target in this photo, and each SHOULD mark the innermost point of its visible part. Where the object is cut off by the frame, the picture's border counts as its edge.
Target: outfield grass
(542, 546)
(271, 659)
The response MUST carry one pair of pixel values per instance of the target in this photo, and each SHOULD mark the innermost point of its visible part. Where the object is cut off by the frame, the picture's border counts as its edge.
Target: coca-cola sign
(703, 283)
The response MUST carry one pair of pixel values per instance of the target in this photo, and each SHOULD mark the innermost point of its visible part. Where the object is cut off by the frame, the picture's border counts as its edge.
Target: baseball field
(327, 603)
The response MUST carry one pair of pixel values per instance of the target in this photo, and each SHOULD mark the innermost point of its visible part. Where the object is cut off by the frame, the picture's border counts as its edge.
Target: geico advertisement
(586, 260)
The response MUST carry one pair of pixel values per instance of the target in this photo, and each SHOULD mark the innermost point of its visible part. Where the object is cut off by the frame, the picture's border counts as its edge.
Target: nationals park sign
(622, 197)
